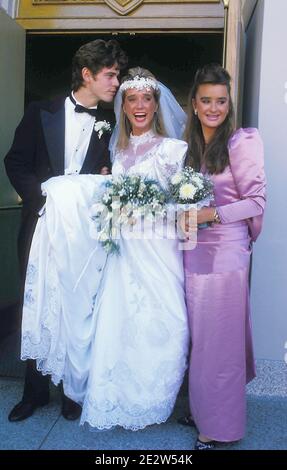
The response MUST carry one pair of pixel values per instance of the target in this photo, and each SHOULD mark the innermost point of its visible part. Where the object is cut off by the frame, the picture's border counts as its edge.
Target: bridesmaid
(217, 270)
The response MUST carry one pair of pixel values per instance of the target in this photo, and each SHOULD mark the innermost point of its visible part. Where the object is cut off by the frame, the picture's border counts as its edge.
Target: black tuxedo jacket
(37, 154)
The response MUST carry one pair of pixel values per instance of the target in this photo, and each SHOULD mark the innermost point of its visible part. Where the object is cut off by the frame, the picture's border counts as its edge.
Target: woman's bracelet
(216, 218)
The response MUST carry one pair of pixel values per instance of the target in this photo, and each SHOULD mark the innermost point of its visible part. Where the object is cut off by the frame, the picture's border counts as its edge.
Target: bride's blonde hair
(124, 124)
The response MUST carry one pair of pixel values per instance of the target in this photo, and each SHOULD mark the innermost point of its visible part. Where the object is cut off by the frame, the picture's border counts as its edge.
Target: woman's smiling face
(139, 107)
(212, 105)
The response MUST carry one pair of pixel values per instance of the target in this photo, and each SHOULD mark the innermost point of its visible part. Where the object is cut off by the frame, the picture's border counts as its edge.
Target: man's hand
(105, 171)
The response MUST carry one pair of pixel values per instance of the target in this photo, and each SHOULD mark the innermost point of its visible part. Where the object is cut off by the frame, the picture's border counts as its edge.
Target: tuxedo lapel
(97, 147)
(54, 132)
(98, 153)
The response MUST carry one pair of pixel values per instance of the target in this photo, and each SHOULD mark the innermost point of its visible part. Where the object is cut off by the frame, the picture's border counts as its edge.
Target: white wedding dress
(113, 328)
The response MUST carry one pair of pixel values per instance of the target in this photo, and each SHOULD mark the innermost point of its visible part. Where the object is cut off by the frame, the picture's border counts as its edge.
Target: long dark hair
(214, 155)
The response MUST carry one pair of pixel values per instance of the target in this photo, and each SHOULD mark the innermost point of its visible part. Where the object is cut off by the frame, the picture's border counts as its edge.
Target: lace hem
(47, 362)
(121, 411)
(125, 417)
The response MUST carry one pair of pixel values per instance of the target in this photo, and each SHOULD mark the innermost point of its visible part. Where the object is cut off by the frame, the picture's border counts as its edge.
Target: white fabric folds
(114, 328)
(63, 277)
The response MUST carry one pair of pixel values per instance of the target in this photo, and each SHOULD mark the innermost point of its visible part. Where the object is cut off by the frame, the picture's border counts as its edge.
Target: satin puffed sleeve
(169, 159)
(246, 158)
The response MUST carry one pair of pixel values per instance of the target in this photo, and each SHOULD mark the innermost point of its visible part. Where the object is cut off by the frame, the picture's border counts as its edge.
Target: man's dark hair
(96, 55)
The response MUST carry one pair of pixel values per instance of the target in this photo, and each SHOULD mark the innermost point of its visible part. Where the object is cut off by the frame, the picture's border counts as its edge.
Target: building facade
(173, 38)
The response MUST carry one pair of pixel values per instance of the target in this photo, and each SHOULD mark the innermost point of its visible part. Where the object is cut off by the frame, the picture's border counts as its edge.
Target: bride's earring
(195, 112)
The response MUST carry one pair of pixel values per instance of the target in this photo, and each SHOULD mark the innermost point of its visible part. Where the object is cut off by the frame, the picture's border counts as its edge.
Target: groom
(66, 136)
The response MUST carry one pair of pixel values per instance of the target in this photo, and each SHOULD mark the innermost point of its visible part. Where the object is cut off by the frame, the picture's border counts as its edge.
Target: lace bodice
(151, 155)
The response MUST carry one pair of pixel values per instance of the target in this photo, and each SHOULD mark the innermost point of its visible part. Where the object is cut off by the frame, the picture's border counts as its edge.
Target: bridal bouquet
(125, 199)
(191, 188)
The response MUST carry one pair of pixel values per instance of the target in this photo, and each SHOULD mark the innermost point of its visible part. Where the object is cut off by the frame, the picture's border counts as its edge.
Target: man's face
(102, 86)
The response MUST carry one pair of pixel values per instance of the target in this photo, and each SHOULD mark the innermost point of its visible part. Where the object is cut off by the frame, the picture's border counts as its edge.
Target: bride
(112, 328)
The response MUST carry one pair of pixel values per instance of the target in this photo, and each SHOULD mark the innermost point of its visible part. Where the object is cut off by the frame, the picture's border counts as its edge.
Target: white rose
(98, 125)
(101, 126)
(198, 182)
(176, 179)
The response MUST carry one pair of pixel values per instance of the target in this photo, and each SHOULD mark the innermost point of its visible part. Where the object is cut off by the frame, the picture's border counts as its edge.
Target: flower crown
(139, 83)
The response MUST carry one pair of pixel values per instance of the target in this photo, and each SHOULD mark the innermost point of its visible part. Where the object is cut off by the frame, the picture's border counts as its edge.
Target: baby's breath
(189, 187)
(125, 199)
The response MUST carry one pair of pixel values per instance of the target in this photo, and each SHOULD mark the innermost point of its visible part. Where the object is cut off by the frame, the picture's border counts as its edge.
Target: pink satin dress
(217, 294)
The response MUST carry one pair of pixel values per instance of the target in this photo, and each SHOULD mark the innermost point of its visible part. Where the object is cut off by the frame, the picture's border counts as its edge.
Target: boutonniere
(101, 127)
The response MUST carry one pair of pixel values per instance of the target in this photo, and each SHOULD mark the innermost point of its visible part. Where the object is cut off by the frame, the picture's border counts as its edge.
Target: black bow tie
(81, 109)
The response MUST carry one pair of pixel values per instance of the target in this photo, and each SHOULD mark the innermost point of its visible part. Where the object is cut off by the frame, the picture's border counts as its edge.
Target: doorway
(173, 58)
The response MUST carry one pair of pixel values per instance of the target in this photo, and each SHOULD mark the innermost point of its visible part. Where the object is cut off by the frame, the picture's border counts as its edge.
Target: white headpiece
(173, 116)
(139, 83)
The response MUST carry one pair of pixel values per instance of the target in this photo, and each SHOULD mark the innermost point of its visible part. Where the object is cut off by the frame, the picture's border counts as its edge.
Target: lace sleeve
(170, 159)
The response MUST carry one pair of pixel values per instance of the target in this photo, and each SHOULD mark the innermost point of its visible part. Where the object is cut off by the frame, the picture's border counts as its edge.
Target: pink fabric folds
(247, 168)
(217, 294)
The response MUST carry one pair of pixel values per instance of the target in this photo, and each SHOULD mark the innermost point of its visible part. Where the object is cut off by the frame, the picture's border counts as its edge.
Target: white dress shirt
(78, 131)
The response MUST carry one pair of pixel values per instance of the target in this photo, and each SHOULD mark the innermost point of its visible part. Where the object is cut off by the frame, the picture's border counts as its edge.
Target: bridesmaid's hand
(206, 214)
